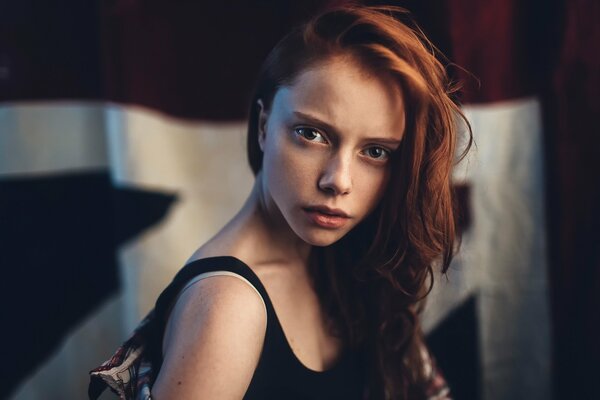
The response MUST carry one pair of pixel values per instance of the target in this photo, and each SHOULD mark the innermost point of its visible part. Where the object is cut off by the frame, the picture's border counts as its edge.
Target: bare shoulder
(213, 340)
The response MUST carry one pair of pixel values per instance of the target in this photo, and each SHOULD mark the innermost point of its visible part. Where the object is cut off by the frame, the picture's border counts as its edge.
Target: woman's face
(327, 141)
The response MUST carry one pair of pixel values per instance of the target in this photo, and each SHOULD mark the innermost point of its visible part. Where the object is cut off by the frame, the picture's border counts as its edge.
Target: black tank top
(279, 373)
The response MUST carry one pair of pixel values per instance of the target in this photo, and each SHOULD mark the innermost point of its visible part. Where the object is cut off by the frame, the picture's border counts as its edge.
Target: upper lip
(327, 210)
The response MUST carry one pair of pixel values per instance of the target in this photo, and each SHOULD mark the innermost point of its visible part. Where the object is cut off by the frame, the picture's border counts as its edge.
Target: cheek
(289, 166)
(370, 186)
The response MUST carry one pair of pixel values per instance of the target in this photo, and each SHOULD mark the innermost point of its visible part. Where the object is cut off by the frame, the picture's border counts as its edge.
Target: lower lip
(326, 220)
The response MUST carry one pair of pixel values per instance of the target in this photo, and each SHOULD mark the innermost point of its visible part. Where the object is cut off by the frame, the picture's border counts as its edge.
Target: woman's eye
(310, 134)
(378, 153)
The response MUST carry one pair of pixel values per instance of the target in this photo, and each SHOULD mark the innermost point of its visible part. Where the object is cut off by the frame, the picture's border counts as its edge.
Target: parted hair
(372, 281)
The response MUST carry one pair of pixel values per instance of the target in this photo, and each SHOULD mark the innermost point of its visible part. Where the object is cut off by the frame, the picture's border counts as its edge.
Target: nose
(336, 178)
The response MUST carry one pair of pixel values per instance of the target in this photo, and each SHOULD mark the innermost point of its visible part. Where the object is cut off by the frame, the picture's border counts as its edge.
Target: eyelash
(297, 130)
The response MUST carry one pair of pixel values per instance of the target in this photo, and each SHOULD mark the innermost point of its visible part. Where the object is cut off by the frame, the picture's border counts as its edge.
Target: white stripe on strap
(218, 273)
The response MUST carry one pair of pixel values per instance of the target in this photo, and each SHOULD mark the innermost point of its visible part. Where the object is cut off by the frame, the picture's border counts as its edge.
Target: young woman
(311, 290)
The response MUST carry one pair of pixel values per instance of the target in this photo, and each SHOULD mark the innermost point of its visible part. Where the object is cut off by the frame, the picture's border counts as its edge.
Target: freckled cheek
(370, 186)
(294, 167)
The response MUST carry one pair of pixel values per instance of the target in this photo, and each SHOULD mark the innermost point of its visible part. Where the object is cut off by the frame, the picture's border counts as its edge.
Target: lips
(325, 217)
(329, 211)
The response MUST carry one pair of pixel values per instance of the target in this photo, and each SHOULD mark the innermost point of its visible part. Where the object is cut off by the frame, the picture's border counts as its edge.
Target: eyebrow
(330, 128)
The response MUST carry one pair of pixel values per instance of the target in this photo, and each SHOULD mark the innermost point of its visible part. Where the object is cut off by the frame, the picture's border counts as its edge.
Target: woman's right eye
(310, 134)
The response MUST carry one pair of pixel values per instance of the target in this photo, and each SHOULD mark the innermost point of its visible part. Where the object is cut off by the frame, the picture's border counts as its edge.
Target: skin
(325, 140)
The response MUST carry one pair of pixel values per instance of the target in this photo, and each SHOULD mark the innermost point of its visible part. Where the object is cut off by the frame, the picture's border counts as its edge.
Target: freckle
(179, 382)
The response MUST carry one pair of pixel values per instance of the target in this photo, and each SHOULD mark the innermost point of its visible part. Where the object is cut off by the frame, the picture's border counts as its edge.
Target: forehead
(355, 101)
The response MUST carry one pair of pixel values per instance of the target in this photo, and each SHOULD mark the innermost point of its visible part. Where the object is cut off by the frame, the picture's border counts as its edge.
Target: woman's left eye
(378, 153)
(310, 134)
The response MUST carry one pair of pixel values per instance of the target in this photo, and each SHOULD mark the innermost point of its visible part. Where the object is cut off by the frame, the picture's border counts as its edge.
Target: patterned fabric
(436, 387)
(128, 373)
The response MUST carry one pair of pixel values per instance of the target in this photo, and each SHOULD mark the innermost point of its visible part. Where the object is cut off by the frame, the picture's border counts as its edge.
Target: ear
(262, 124)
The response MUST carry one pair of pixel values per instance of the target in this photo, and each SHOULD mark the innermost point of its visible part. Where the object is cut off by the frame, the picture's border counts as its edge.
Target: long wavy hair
(371, 281)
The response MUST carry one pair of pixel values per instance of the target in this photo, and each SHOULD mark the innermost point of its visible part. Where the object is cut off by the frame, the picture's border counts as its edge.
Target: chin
(320, 237)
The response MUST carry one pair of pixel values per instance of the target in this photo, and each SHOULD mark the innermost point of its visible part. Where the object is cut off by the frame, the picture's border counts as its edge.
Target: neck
(266, 232)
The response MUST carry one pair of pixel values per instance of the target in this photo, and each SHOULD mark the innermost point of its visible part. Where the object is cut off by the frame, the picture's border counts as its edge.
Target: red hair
(371, 280)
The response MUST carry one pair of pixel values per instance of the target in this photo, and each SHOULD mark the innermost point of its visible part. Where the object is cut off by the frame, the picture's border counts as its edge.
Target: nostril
(336, 177)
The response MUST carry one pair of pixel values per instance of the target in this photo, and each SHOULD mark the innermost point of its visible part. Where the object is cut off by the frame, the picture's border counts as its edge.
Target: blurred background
(122, 148)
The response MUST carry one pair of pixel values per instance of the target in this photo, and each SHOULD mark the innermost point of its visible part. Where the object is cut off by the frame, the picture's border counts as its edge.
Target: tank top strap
(201, 266)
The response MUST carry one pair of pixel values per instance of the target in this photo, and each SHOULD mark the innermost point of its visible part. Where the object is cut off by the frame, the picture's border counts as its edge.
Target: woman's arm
(212, 343)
